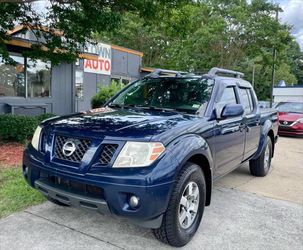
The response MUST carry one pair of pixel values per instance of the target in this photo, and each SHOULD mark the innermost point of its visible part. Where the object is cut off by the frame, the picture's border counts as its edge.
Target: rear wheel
(260, 166)
(185, 209)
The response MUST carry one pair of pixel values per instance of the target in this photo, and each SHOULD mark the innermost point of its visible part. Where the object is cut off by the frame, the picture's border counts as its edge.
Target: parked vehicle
(266, 104)
(152, 153)
(290, 118)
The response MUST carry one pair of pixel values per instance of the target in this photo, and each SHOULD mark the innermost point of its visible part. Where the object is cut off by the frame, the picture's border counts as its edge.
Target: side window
(247, 100)
(228, 97)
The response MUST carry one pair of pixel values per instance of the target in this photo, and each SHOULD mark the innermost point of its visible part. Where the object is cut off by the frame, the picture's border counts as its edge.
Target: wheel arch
(266, 131)
(193, 148)
(271, 135)
(202, 161)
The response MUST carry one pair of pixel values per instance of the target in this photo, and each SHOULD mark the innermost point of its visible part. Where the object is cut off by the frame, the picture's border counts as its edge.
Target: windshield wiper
(157, 108)
(177, 110)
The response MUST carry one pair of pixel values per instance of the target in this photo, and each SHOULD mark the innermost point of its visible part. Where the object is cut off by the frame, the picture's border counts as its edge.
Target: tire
(260, 166)
(57, 202)
(172, 232)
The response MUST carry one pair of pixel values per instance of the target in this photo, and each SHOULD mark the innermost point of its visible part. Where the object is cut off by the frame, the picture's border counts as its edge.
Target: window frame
(251, 100)
(25, 59)
(24, 73)
(235, 93)
(50, 84)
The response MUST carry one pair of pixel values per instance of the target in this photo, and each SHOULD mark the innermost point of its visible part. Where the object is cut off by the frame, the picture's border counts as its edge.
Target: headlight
(36, 138)
(138, 154)
(297, 121)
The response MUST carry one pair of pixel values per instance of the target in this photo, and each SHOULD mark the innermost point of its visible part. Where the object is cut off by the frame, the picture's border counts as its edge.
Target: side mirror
(232, 110)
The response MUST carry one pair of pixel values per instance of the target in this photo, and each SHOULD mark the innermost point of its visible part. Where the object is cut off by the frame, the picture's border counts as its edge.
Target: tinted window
(181, 94)
(247, 100)
(228, 96)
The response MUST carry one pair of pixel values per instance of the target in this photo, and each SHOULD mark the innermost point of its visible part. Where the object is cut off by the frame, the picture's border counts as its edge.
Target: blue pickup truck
(153, 151)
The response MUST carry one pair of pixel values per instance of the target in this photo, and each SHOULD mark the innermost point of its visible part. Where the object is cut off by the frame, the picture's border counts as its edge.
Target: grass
(15, 193)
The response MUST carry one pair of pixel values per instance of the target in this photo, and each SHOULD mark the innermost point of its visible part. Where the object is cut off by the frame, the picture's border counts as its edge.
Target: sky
(292, 15)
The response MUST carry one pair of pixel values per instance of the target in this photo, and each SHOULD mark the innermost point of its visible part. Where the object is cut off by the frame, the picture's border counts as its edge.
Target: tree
(294, 58)
(68, 25)
(226, 33)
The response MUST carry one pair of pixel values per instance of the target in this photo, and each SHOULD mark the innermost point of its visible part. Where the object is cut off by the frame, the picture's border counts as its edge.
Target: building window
(36, 74)
(12, 80)
(120, 79)
(38, 78)
(79, 84)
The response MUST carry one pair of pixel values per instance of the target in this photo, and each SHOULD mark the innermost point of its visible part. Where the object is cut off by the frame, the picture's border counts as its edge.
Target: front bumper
(289, 131)
(69, 197)
(113, 197)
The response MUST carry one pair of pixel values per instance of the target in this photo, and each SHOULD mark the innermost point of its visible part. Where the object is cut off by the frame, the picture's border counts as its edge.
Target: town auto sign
(102, 65)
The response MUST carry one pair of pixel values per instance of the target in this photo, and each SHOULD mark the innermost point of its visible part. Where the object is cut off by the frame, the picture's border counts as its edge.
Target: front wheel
(260, 166)
(185, 209)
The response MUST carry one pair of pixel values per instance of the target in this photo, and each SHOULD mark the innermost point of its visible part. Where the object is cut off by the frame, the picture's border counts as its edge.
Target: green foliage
(293, 56)
(78, 21)
(203, 34)
(15, 193)
(105, 93)
(19, 128)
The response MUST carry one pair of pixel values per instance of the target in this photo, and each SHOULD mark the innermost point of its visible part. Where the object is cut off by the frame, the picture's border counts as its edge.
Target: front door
(229, 137)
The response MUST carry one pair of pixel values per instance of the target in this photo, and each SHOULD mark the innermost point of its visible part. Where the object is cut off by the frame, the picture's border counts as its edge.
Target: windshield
(294, 107)
(180, 94)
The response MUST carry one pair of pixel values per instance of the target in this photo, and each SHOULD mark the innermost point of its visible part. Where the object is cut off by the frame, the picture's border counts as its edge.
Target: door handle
(230, 130)
(242, 126)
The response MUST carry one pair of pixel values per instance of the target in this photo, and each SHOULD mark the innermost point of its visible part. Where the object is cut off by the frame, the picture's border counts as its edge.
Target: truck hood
(120, 123)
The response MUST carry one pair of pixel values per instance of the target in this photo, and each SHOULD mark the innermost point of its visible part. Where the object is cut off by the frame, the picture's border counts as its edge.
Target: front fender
(178, 152)
(186, 146)
(268, 125)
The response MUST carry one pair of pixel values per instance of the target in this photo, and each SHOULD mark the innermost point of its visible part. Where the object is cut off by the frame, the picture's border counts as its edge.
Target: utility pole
(274, 56)
(253, 75)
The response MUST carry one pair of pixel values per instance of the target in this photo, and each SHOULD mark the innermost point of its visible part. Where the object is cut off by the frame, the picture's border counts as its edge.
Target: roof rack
(214, 71)
(163, 72)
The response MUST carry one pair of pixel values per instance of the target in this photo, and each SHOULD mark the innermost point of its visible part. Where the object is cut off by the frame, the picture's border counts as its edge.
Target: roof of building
(26, 43)
(289, 86)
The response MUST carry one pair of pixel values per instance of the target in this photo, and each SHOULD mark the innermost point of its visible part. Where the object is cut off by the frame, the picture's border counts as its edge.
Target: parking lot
(246, 213)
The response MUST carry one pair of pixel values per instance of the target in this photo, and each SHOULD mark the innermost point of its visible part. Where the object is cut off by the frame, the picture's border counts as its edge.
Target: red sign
(103, 64)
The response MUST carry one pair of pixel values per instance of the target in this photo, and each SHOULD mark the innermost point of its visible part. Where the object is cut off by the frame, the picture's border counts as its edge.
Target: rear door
(229, 139)
(251, 120)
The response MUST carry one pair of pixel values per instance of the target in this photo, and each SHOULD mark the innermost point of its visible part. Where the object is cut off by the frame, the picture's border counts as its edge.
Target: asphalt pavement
(246, 213)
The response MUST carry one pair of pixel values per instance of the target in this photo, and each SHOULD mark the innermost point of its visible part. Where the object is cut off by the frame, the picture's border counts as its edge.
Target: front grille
(107, 153)
(76, 187)
(285, 123)
(81, 146)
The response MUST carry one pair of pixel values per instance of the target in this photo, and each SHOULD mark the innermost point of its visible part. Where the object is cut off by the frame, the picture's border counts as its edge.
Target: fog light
(134, 201)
